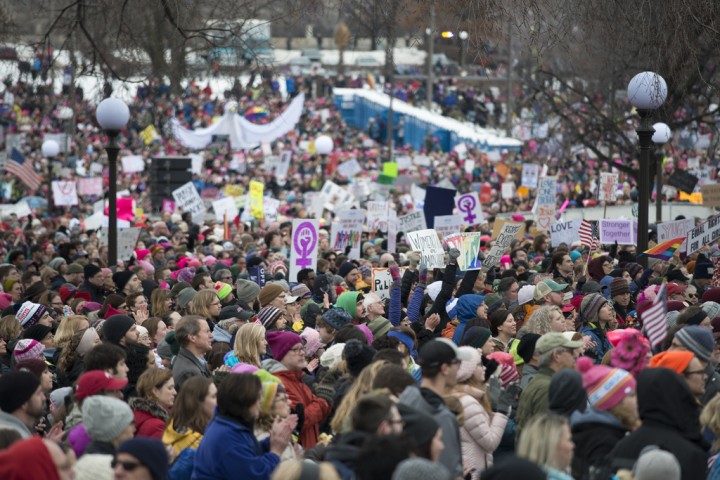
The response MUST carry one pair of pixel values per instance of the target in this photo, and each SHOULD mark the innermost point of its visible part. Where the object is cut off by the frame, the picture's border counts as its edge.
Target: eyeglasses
(126, 465)
(298, 349)
(695, 372)
(693, 295)
(215, 304)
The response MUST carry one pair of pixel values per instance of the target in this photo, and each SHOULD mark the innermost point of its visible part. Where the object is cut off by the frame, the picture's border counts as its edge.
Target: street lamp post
(112, 114)
(50, 149)
(323, 146)
(662, 135)
(646, 91)
(463, 47)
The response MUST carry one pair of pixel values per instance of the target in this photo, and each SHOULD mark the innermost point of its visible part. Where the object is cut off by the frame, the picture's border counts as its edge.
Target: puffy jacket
(602, 344)
(229, 451)
(316, 409)
(180, 441)
(480, 434)
(150, 418)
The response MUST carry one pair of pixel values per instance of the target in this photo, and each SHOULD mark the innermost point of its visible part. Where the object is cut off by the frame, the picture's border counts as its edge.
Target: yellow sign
(233, 190)
(696, 198)
(149, 135)
(500, 222)
(256, 199)
(390, 169)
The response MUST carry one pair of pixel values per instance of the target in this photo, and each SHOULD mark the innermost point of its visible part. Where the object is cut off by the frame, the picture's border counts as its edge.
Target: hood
(345, 450)
(592, 415)
(220, 335)
(272, 365)
(187, 437)
(27, 459)
(467, 307)
(151, 408)
(421, 399)
(595, 269)
(348, 302)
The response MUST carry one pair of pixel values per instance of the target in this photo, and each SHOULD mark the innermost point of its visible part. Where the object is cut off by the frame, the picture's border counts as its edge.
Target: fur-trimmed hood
(151, 408)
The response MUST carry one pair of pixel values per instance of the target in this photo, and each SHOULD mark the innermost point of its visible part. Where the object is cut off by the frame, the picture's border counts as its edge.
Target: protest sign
(418, 196)
(256, 199)
(438, 201)
(427, 242)
(90, 186)
(469, 166)
(608, 187)
(545, 202)
(500, 223)
(502, 242)
(336, 197)
(347, 231)
(711, 195)
(622, 231)
(377, 220)
(282, 166)
(168, 206)
(704, 234)
(270, 209)
(132, 164)
(469, 246)
(225, 209)
(350, 168)
(422, 160)
(21, 209)
(508, 190)
(126, 241)
(64, 193)
(382, 280)
(683, 180)
(530, 175)
(448, 224)
(411, 222)
(188, 199)
(392, 231)
(565, 232)
(197, 163)
(404, 162)
(304, 246)
(470, 209)
(679, 228)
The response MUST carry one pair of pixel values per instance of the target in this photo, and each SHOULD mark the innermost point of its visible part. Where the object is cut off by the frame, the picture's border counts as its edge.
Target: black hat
(37, 332)
(438, 351)
(526, 346)
(676, 275)
(90, 270)
(231, 311)
(475, 337)
(121, 279)
(16, 388)
(357, 356)
(591, 286)
(150, 452)
(514, 467)
(346, 268)
(115, 328)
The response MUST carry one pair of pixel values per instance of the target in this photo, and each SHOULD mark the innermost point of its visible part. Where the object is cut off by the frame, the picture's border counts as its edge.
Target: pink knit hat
(27, 349)
(467, 367)
(368, 333)
(606, 386)
(312, 341)
(509, 373)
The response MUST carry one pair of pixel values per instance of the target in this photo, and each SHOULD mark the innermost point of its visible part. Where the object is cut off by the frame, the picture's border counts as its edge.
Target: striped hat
(268, 316)
(605, 386)
(27, 349)
(698, 340)
(223, 290)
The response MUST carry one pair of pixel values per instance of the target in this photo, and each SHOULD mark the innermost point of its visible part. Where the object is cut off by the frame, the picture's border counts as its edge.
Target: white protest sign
(392, 231)
(530, 175)
(90, 186)
(412, 222)
(448, 224)
(377, 220)
(427, 242)
(196, 164)
(225, 207)
(469, 166)
(622, 231)
(133, 164)
(188, 199)
(671, 230)
(64, 193)
(270, 209)
(422, 160)
(126, 241)
(608, 187)
(304, 251)
(545, 202)
(418, 196)
(347, 231)
(508, 190)
(564, 232)
(404, 162)
(381, 281)
(502, 242)
(21, 209)
(704, 234)
(350, 168)
(282, 166)
(335, 196)
(470, 208)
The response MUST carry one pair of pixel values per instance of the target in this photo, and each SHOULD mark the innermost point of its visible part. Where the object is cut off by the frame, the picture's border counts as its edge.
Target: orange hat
(690, 267)
(677, 361)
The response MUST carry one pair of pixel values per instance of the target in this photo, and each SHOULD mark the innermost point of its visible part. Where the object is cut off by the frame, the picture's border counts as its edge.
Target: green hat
(493, 301)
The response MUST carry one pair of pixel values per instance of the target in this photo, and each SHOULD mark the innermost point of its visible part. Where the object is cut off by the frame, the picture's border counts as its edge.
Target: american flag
(22, 169)
(654, 319)
(589, 234)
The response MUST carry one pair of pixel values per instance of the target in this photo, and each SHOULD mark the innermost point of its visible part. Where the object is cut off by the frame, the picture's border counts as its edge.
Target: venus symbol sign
(304, 241)
(467, 204)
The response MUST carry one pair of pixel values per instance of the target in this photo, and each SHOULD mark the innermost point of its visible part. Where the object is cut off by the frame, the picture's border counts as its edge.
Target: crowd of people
(200, 357)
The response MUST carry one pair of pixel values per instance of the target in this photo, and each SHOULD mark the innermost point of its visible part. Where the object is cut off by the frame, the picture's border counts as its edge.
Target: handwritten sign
(704, 234)
(679, 228)
(412, 222)
(608, 187)
(564, 232)
(502, 242)
(64, 193)
(546, 202)
(427, 242)
(225, 208)
(188, 199)
(381, 281)
(469, 246)
(126, 241)
(470, 208)
(347, 231)
(448, 224)
(392, 231)
(304, 246)
(256, 199)
(270, 209)
(530, 175)
(508, 190)
(350, 168)
(711, 195)
(90, 186)
(622, 231)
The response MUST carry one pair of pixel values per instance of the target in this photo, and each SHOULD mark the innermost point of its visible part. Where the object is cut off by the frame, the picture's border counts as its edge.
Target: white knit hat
(433, 290)
(332, 355)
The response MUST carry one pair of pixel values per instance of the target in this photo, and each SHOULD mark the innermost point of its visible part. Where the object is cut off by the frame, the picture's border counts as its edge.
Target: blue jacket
(229, 450)
(467, 306)
(603, 345)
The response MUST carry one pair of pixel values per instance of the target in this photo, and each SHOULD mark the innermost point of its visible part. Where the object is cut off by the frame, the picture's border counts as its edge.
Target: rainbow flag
(664, 250)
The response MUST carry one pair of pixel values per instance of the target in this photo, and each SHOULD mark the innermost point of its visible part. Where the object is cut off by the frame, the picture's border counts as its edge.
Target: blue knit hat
(150, 452)
(336, 318)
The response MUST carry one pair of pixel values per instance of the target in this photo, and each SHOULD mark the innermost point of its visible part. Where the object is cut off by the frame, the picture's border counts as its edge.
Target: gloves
(326, 393)
(414, 258)
(454, 254)
(490, 366)
(423, 274)
(494, 390)
(507, 400)
(299, 410)
(395, 273)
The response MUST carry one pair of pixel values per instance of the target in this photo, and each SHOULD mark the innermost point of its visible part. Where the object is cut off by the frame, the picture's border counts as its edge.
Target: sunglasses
(126, 465)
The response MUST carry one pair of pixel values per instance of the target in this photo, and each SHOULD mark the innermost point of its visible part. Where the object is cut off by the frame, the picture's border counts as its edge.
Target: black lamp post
(662, 135)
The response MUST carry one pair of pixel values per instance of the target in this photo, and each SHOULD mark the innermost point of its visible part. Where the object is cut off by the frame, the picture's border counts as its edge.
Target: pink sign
(168, 206)
(90, 186)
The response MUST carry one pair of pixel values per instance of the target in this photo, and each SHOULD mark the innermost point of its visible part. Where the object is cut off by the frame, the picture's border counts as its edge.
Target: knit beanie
(89, 339)
(177, 288)
(151, 452)
(703, 271)
(467, 367)
(475, 337)
(29, 314)
(268, 316)
(606, 386)
(566, 393)
(105, 418)
(90, 270)
(656, 464)
(116, 327)
(698, 340)
(433, 290)
(346, 268)
(312, 341)
(223, 290)
(270, 386)
(420, 469)
(332, 356)
(674, 360)
(711, 309)
(357, 356)
(379, 327)
(368, 333)
(269, 293)
(280, 343)
(186, 296)
(121, 279)
(37, 332)
(337, 318)
(27, 348)
(591, 305)
(493, 301)
(36, 366)
(633, 269)
(619, 286)
(16, 388)
(509, 373)
(173, 343)
(526, 346)
(419, 427)
(186, 274)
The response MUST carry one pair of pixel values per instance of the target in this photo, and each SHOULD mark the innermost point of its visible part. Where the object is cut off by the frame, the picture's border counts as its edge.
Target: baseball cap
(553, 340)
(290, 299)
(546, 286)
(230, 311)
(525, 294)
(439, 351)
(95, 381)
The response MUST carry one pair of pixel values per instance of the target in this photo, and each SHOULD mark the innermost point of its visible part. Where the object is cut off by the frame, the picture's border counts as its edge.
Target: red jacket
(150, 418)
(316, 409)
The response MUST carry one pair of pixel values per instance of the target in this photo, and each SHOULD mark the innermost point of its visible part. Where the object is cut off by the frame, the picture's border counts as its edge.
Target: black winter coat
(595, 434)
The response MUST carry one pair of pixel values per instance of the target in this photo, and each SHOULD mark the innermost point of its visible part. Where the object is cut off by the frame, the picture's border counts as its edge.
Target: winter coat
(229, 451)
(180, 441)
(97, 294)
(535, 398)
(602, 344)
(480, 434)
(528, 372)
(670, 420)
(595, 434)
(150, 418)
(316, 409)
(467, 306)
(11, 422)
(712, 386)
(188, 365)
(343, 452)
(429, 402)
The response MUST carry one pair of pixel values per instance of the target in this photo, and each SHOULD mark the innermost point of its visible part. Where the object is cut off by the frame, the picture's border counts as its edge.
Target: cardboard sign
(427, 242)
(225, 208)
(683, 180)
(711, 195)
(347, 232)
(64, 193)
(188, 199)
(622, 231)
(126, 241)
(381, 281)
(412, 222)
(470, 209)
(448, 224)
(469, 246)
(256, 199)
(530, 175)
(608, 187)
(304, 251)
(565, 232)
(502, 242)
(90, 186)
(545, 202)
(679, 228)
(704, 234)
(500, 223)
